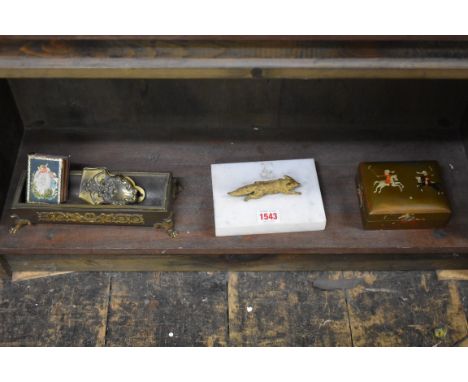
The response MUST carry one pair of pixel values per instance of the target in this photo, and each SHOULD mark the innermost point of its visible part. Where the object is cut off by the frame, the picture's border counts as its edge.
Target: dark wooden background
(234, 309)
(166, 107)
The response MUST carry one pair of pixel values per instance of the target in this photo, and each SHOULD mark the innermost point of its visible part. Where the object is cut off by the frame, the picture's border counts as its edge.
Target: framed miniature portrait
(47, 179)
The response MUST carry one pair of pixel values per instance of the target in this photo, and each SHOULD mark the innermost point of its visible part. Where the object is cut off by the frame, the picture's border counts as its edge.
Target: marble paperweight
(267, 197)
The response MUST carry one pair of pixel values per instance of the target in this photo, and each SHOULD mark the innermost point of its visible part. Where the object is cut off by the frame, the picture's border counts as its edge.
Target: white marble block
(272, 213)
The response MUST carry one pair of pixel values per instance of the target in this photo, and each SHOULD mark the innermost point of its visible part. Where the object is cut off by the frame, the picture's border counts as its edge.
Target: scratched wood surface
(67, 310)
(404, 309)
(5, 270)
(167, 309)
(285, 309)
(233, 57)
(235, 309)
(463, 285)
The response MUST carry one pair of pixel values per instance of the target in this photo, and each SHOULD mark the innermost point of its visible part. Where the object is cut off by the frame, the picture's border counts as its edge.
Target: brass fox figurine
(257, 190)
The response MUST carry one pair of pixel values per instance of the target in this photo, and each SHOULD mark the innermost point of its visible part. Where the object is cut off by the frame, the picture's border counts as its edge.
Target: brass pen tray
(154, 211)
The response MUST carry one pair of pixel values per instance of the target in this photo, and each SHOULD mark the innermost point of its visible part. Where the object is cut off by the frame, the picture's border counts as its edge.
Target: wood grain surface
(453, 274)
(202, 109)
(402, 308)
(5, 270)
(235, 309)
(68, 310)
(282, 309)
(167, 309)
(463, 286)
(23, 276)
(231, 57)
(240, 262)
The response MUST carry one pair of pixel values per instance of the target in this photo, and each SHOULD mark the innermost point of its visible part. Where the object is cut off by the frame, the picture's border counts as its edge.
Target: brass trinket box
(154, 211)
(402, 195)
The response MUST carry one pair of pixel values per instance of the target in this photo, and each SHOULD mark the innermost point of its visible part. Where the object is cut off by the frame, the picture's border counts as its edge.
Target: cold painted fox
(257, 190)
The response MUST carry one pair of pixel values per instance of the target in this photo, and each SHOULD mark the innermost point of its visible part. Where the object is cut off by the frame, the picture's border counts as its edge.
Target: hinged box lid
(397, 195)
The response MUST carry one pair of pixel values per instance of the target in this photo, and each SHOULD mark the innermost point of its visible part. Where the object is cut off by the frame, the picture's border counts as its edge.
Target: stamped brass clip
(99, 186)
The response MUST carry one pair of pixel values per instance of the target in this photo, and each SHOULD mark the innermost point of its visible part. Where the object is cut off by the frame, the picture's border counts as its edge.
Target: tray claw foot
(18, 224)
(168, 225)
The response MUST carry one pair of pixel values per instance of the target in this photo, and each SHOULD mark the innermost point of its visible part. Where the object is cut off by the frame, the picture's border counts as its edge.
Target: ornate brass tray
(154, 211)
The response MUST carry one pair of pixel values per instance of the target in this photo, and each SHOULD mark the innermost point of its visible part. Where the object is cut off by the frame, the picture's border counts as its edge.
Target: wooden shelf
(234, 57)
(181, 103)
(190, 161)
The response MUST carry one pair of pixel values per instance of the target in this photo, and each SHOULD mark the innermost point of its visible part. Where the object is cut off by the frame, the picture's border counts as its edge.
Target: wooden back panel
(10, 131)
(204, 105)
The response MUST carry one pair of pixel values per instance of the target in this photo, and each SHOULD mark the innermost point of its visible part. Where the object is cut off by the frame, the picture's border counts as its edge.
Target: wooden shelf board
(391, 68)
(227, 57)
(190, 159)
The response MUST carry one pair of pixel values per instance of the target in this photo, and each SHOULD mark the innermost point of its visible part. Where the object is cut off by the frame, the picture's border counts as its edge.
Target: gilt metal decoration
(90, 218)
(99, 186)
(259, 189)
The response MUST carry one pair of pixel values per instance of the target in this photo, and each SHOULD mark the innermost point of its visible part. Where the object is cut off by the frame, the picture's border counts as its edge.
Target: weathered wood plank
(68, 310)
(199, 262)
(231, 69)
(233, 46)
(200, 309)
(405, 309)
(229, 109)
(5, 271)
(463, 287)
(462, 343)
(453, 274)
(22, 276)
(285, 309)
(228, 57)
(167, 309)
(156, 105)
